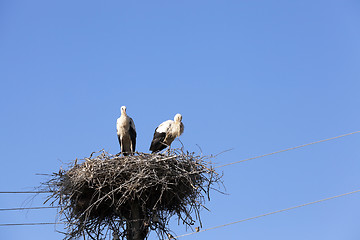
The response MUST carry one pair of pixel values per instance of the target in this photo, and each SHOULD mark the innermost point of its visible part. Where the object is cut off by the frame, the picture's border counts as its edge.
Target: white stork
(126, 133)
(166, 133)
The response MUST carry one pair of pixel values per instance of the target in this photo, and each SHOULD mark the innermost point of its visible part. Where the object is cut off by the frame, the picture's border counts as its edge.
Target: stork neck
(176, 128)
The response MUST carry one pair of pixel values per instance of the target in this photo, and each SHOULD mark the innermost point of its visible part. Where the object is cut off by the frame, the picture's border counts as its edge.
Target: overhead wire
(12, 192)
(270, 213)
(224, 165)
(25, 208)
(208, 229)
(27, 224)
(227, 164)
(287, 149)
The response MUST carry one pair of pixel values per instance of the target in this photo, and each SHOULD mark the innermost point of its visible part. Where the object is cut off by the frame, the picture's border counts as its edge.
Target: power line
(266, 214)
(224, 165)
(224, 225)
(287, 149)
(26, 224)
(11, 192)
(29, 208)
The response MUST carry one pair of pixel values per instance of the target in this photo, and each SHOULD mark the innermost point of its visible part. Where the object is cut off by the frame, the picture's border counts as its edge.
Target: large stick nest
(95, 194)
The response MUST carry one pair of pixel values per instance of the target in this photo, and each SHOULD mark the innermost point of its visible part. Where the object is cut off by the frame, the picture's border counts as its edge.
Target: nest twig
(96, 195)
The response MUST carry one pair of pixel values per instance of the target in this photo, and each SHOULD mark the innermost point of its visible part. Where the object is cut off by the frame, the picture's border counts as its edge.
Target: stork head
(178, 117)
(123, 110)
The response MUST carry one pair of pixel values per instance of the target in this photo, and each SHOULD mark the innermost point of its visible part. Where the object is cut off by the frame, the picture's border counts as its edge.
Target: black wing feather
(132, 134)
(157, 142)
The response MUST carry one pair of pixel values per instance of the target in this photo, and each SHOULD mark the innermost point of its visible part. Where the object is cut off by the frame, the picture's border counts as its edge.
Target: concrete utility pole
(135, 225)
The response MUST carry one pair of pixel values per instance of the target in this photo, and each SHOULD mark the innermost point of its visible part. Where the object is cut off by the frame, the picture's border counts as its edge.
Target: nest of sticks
(98, 195)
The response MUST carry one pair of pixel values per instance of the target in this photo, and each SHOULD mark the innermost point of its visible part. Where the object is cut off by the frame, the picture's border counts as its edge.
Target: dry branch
(110, 192)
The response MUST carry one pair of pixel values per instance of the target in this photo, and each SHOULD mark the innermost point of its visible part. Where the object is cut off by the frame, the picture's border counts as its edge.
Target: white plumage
(166, 133)
(126, 133)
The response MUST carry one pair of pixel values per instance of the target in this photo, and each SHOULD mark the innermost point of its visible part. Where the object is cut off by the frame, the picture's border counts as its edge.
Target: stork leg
(119, 143)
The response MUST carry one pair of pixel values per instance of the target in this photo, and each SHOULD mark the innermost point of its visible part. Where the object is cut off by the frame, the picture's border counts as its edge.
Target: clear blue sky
(255, 76)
